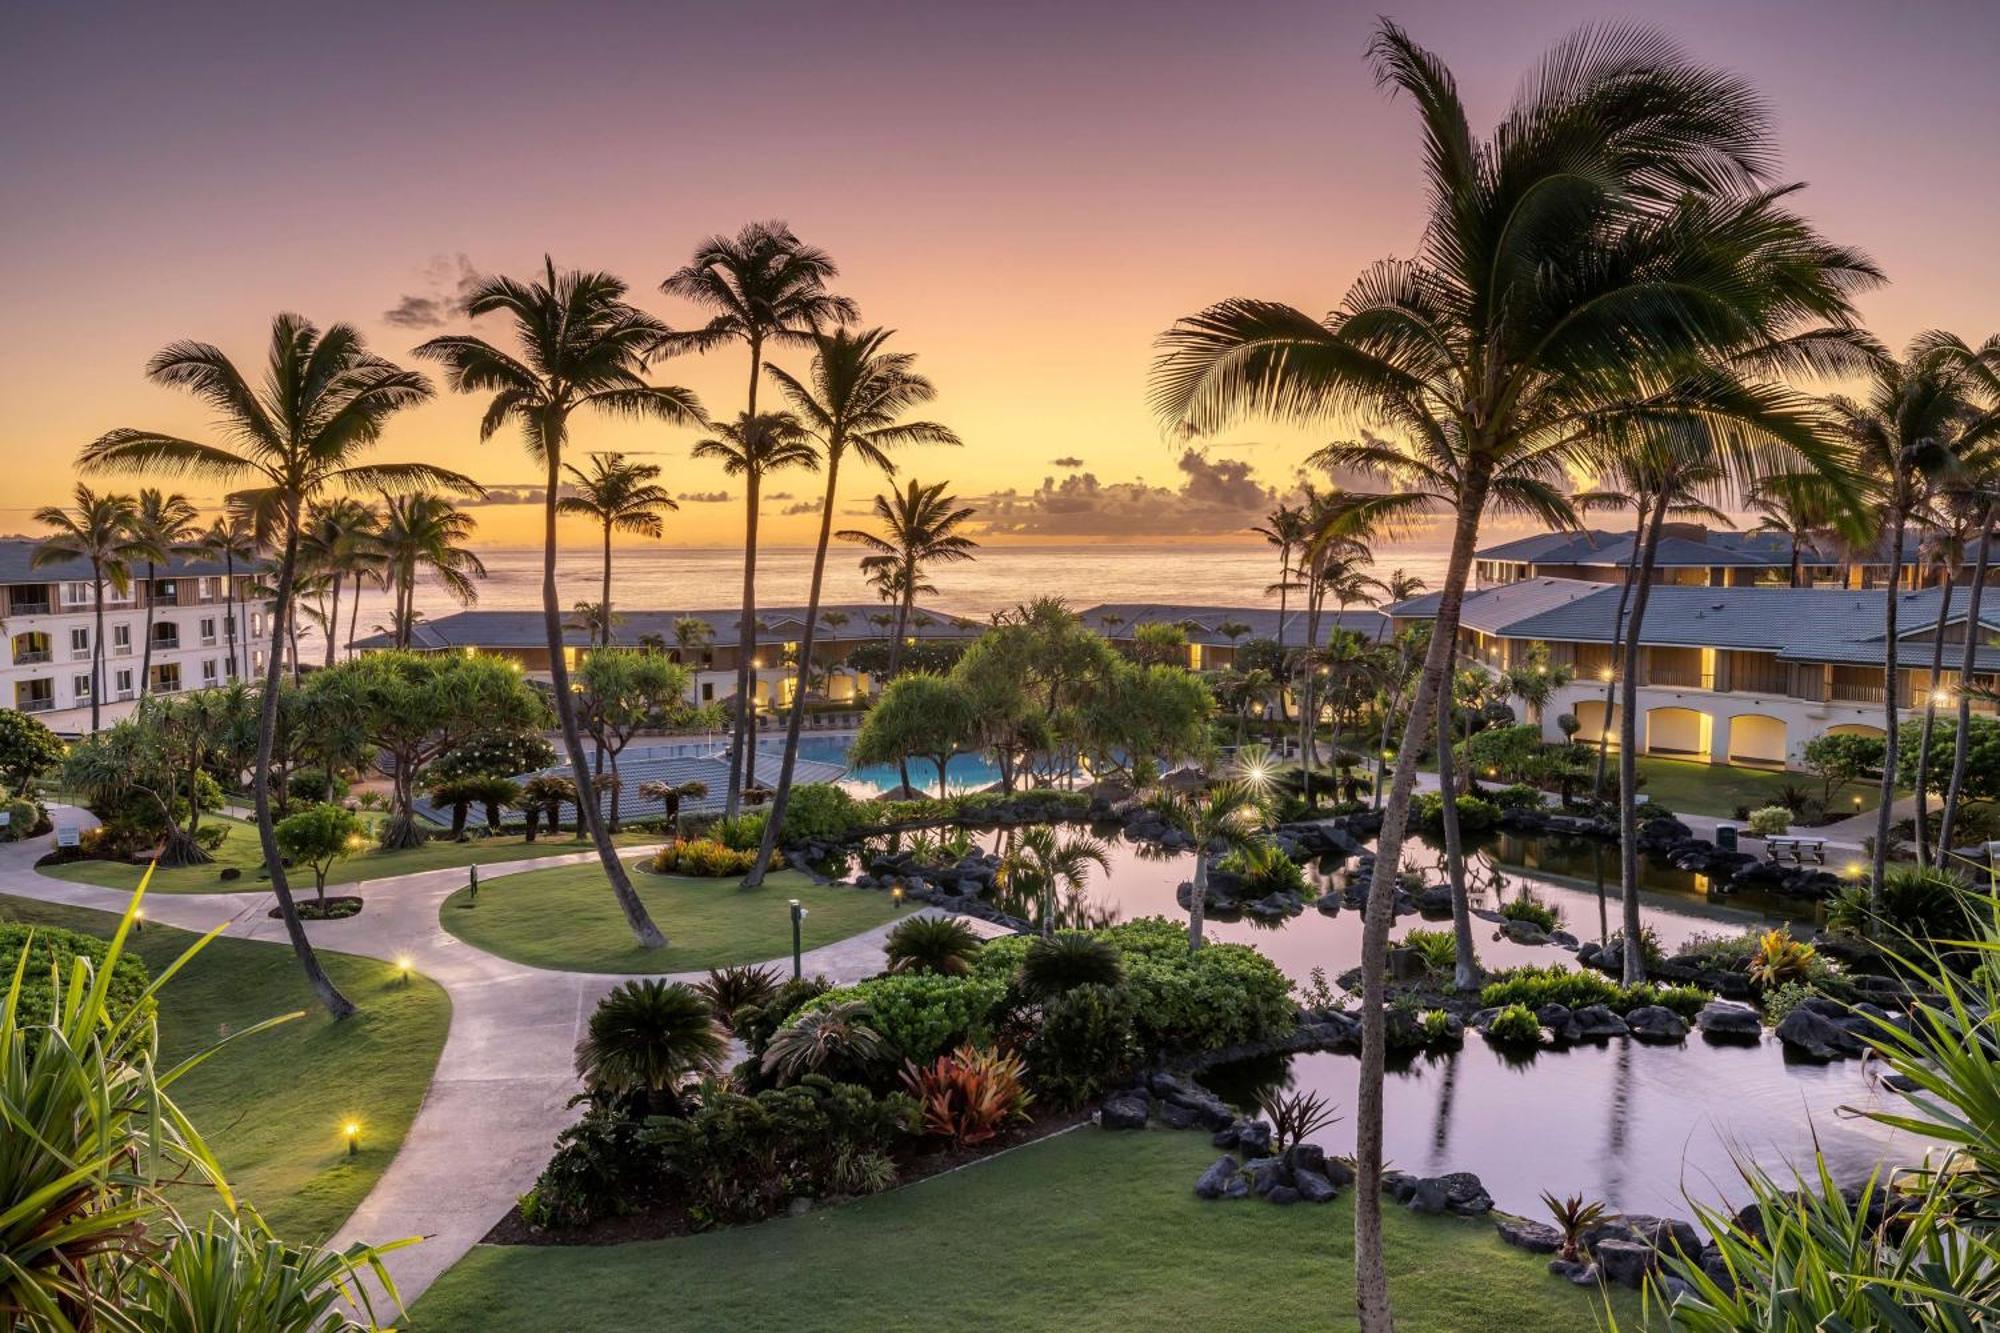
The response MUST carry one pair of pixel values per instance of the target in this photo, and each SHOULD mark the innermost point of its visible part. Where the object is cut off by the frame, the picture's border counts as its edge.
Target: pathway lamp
(798, 924)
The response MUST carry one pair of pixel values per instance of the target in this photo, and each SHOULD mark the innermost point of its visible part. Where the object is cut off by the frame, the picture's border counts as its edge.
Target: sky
(1026, 193)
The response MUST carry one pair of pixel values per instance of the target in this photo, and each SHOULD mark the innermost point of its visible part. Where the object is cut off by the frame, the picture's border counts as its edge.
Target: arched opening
(1591, 714)
(31, 647)
(1757, 739)
(1679, 732)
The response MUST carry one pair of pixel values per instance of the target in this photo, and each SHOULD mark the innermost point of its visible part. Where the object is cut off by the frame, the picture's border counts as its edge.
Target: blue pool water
(964, 773)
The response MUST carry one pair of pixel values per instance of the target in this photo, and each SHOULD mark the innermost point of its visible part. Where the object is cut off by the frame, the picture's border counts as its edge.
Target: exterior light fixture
(798, 923)
(352, 1131)
(896, 895)
(403, 966)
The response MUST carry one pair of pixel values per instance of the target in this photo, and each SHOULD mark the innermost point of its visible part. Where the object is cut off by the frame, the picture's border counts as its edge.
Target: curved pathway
(500, 1093)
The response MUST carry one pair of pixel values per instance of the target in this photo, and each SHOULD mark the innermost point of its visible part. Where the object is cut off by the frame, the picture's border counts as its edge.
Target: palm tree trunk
(588, 815)
(1628, 750)
(1930, 720)
(604, 605)
(267, 732)
(353, 615)
(1890, 682)
(97, 643)
(333, 621)
(740, 767)
(1198, 899)
(1284, 587)
(229, 603)
(146, 653)
(1966, 662)
(776, 818)
(1465, 968)
(1371, 1282)
(903, 606)
(1617, 641)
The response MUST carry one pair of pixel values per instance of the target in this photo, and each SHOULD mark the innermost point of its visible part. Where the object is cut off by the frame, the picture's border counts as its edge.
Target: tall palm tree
(752, 447)
(619, 495)
(324, 400)
(1799, 505)
(1907, 434)
(920, 527)
(164, 524)
(1284, 528)
(100, 530)
(1493, 347)
(765, 287)
(852, 401)
(692, 634)
(228, 538)
(341, 542)
(426, 532)
(581, 346)
(1226, 818)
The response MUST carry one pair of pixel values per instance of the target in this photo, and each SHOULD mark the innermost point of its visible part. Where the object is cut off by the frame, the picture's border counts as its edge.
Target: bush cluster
(1087, 1042)
(820, 812)
(52, 946)
(702, 858)
(1574, 988)
(1515, 1025)
(922, 1015)
(1527, 907)
(1476, 814)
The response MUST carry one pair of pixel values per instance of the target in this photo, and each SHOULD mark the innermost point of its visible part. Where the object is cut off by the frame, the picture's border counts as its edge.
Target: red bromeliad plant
(969, 1094)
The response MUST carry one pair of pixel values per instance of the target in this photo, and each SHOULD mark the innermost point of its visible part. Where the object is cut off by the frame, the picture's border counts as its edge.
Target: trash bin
(1725, 837)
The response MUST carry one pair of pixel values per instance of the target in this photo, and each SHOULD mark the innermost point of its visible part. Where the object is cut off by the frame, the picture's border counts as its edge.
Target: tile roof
(1717, 547)
(524, 629)
(1203, 622)
(17, 565)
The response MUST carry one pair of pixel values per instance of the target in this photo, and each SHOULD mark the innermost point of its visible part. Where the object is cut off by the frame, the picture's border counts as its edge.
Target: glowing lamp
(352, 1131)
(403, 968)
(1856, 870)
(1605, 674)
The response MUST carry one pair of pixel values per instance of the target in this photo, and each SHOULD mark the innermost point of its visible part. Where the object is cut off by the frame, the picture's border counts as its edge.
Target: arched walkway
(1756, 738)
(1681, 732)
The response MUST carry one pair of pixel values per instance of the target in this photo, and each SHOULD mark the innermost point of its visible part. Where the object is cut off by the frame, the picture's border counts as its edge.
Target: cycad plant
(1057, 964)
(293, 440)
(839, 1041)
(943, 945)
(1591, 262)
(646, 1039)
(580, 346)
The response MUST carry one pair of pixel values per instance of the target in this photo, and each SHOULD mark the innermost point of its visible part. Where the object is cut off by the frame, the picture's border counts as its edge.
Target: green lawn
(1688, 787)
(566, 919)
(241, 850)
(272, 1106)
(1089, 1231)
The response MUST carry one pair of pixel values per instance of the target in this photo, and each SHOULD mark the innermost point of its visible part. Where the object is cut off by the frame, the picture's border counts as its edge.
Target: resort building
(1214, 633)
(708, 640)
(48, 617)
(1692, 555)
(1726, 674)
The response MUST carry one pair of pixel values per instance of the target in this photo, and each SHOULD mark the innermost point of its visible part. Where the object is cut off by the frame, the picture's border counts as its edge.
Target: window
(35, 696)
(229, 667)
(76, 594)
(208, 631)
(209, 674)
(210, 589)
(166, 678)
(123, 683)
(31, 648)
(121, 640)
(708, 691)
(166, 634)
(79, 642)
(80, 686)
(84, 594)
(166, 590)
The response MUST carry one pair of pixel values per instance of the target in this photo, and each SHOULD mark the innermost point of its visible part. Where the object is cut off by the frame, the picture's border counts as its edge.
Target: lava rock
(1176, 1116)
(1429, 1197)
(1594, 1020)
(1435, 900)
(1579, 1271)
(1314, 1186)
(1721, 1020)
(1560, 1022)
(1524, 932)
(1816, 1037)
(1626, 1262)
(1283, 1194)
(1465, 1194)
(1656, 1022)
(1305, 1157)
(1254, 1137)
(1534, 1237)
(1226, 1136)
(1214, 1182)
(1125, 1110)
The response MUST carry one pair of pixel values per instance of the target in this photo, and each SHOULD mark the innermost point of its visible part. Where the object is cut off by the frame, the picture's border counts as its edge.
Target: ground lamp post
(798, 922)
(352, 1129)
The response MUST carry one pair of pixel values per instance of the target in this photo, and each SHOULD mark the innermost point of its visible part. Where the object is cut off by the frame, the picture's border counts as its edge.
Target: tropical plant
(28, 749)
(701, 858)
(621, 690)
(1929, 907)
(620, 496)
(231, 538)
(1527, 906)
(1227, 818)
(1437, 949)
(1058, 963)
(941, 944)
(1780, 958)
(970, 1095)
(542, 797)
(1515, 1025)
(99, 531)
(1574, 1219)
(917, 717)
(1041, 864)
(424, 532)
(729, 989)
(325, 400)
(920, 528)
(670, 795)
(319, 836)
(1296, 1116)
(582, 345)
(836, 1040)
(1087, 1041)
(1284, 528)
(646, 1039)
(162, 527)
(233, 1273)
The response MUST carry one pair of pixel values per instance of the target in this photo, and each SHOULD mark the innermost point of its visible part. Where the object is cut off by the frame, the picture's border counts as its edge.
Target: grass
(1691, 787)
(272, 1106)
(240, 850)
(1089, 1231)
(566, 918)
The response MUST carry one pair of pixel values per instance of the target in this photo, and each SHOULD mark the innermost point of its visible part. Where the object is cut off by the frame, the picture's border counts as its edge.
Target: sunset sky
(1027, 192)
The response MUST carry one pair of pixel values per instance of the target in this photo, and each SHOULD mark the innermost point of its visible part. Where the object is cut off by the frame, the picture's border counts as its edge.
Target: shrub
(1782, 999)
(315, 785)
(601, 1168)
(1518, 796)
(52, 946)
(1515, 1025)
(1528, 907)
(1921, 904)
(755, 1023)
(741, 834)
(943, 945)
(24, 817)
(968, 1095)
(28, 749)
(1295, 1117)
(820, 812)
(1770, 821)
(1780, 958)
(1434, 1026)
(921, 1016)
(1573, 988)
(1650, 952)
(1437, 948)
(703, 858)
(1574, 1219)
(1085, 1045)
(1057, 963)
(836, 1041)
(1476, 814)
(729, 989)
(320, 835)
(1264, 869)
(648, 1037)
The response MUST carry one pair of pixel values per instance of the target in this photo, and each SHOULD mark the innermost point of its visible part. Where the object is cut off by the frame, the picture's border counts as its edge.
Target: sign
(67, 836)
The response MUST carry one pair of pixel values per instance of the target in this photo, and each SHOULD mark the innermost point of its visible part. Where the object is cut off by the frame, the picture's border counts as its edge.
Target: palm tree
(692, 633)
(1041, 863)
(752, 447)
(670, 795)
(619, 495)
(427, 532)
(1907, 435)
(341, 541)
(854, 399)
(1284, 528)
(1494, 350)
(1226, 818)
(98, 530)
(765, 287)
(582, 345)
(1976, 488)
(324, 400)
(164, 525)
(228, 538)
(1799, 505)
(920, 527)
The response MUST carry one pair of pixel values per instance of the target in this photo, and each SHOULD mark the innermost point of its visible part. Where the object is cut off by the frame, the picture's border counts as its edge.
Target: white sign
(67, 836)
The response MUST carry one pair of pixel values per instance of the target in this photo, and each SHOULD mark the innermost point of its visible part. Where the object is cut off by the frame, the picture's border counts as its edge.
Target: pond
(1638, 1126)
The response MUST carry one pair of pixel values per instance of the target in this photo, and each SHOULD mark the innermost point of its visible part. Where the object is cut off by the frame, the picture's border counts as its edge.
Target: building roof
(1492, 610)
(1684, 546)
(781, 624)
(1116, 620)
(17, 565)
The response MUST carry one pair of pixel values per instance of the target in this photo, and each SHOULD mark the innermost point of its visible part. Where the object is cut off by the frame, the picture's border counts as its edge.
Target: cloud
(1071, 462)
(702, 497)
(780, 495)
(1216, 496)
(812, 506)
(512, 495)
(447, 281)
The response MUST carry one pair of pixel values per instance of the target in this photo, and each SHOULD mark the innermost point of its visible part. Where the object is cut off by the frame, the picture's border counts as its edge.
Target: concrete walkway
(499, 1097)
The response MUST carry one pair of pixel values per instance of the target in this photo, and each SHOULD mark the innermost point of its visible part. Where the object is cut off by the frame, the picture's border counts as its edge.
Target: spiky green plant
(838, 1040)
(728, 989)
(941, 944)
(1054, 964)
(1296, 1116)
(1574, 1218)
(233, 1274)
(647, 1038)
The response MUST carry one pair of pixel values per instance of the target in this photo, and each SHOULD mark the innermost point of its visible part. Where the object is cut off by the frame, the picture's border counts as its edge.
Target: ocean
(649, 578)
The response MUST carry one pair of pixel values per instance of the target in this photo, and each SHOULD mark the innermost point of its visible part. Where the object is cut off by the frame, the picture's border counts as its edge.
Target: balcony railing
(47, 705)
(21, 608)
(1742, 681)
(166, 644)
(1843, 692)
(33, 657)
(1688, 678)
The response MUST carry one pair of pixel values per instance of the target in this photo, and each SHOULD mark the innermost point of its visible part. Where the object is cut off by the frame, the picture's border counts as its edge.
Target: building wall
(1743, 727)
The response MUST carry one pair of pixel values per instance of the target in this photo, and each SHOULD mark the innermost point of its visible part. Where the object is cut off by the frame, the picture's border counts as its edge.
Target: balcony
(42, 705)
(33, 657)
(24, 608)
(1686, 678)
(1844, 692)
(166, 643)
